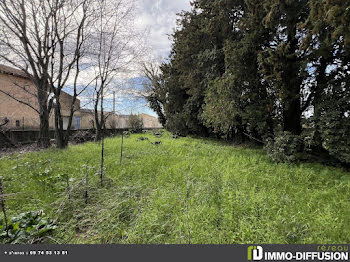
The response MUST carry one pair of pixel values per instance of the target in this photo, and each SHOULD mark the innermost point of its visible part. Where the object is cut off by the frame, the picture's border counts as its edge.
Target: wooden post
(114, 104)
(17, 165)
(3, 207)
(102, 157)
(86, 187)
(121, 149)
(68, 186)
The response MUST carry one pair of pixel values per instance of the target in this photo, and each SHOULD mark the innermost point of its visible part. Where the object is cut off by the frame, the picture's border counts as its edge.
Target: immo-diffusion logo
(334, 253)
(255, 253)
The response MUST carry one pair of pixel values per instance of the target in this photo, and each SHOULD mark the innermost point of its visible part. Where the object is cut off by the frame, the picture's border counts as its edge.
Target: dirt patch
(20, 149)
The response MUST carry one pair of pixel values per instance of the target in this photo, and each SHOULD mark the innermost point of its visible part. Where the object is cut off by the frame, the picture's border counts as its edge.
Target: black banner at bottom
(155, 253)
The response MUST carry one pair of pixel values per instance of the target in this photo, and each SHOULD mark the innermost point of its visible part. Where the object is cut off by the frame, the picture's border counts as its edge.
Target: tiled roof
(12, 71)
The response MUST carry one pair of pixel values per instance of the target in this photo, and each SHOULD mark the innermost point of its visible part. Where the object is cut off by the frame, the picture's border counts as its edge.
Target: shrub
(135, 123)
(284, 147)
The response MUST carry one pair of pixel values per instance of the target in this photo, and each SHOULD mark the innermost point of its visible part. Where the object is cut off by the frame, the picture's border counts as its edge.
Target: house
(150, 121)
(21, 116)
(115, 121)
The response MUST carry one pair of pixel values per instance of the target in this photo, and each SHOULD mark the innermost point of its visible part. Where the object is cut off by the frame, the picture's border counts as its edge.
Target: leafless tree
(44, 39)
(28, 48)
(71, 32)
(115, 47)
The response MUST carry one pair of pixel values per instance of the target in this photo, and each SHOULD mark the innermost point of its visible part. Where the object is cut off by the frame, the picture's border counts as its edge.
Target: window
(65, 120)
(18, 123)
(77, 122)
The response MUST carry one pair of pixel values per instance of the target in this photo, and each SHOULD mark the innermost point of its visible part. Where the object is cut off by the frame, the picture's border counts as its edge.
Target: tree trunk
(44, 109)
(44, 133)
(59, 131)
(98, 135)
(99, 120)
(98, 126)
(292, 115)
(292, 82)
(318, 93)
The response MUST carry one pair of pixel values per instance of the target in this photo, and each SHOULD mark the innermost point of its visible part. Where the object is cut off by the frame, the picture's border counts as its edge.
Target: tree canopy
(259, 69)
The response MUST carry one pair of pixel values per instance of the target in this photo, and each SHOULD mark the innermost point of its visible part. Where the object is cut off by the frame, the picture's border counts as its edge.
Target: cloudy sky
(158, 18)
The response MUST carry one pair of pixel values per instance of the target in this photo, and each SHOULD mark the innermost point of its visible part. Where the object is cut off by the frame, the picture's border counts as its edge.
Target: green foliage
(47, 177)
(135, 123)
(177, 125)
(220, 107)
(285, 147)
(155, 87)
(26, 228)
(196, 59)
(335, 123)
(273, 71)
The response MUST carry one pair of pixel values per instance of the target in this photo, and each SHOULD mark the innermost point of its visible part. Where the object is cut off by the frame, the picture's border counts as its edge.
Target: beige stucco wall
(66, 101)
(150, 121)
(87, 120)
(113, 121)
(116, 121)
(19, 113)
(14, 110)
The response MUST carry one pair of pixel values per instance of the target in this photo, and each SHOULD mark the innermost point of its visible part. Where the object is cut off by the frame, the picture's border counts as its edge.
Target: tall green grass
(184, 190)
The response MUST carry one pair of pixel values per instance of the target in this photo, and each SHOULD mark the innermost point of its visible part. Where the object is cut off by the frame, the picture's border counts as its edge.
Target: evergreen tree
(327, 43)
(282, 61)
(252, 68)
(239, 103)
(196, 58)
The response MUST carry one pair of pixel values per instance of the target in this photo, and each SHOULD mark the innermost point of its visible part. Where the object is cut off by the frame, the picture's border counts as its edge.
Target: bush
(135, 124)
(284, 147)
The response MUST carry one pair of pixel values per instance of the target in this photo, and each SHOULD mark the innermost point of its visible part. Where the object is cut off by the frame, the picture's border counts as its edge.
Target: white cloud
(159, 18)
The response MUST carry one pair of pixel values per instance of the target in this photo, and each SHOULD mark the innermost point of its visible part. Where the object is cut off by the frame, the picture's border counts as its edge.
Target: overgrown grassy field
(185, 190)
